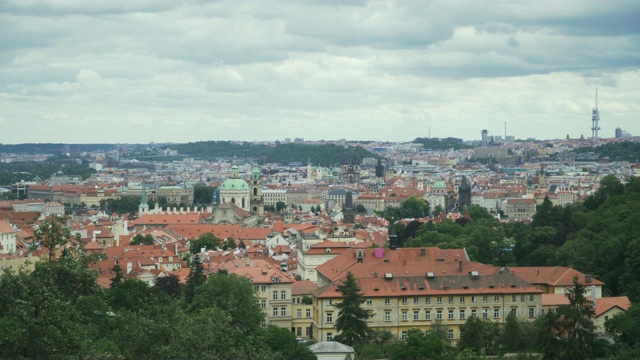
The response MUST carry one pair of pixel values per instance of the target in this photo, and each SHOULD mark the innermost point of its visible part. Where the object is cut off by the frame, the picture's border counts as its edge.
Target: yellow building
(302, 308)
(417, 287)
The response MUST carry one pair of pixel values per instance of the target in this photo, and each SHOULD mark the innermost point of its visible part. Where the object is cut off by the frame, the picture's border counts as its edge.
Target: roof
(330, 347)
(303, 287)
(607, 303)
(552, 275)
(5, 228)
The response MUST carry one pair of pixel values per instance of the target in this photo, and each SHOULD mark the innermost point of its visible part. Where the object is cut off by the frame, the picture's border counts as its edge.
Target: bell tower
(255, 198)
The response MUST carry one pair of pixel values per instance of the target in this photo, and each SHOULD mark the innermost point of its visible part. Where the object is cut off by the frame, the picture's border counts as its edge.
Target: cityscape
(319, 180)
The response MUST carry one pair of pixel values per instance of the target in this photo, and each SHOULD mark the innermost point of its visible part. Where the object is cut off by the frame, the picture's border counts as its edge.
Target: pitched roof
(607, 303)
(552, 275)
(303, 287)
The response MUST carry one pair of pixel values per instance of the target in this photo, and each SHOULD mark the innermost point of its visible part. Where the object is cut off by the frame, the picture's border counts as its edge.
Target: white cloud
(120, 71)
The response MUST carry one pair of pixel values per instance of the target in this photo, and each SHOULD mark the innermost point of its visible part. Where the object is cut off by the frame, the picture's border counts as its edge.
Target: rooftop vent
(403, 288)
(375, 289)
(420, 287)
(465, 287)
(513, 285)
(431, 275)
(475, 274)
(388, 275)
(491, 286)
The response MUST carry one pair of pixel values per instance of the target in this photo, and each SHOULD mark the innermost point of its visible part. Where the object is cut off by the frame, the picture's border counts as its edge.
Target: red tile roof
(552, 275)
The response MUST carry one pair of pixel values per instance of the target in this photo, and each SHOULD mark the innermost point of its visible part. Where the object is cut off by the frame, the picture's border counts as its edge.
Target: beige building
(302, 308)
(416, 288)
(520, 209)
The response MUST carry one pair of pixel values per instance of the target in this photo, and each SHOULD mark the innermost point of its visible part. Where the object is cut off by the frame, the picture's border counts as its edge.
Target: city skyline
(157, 71)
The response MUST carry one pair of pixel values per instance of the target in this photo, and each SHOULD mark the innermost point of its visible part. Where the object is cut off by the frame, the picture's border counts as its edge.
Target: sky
(123, 71)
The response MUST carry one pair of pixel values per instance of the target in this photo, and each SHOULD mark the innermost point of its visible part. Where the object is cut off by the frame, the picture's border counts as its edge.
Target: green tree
(479, 335)
(512, 335)
(352, 317)
(206, 240)
(280, 206)
(234, 295)
(52, 234)
(284, 342)
(230, 243)
(418, 346)
(360, 209)
(202, 194)
(118, 275)
(568, 334)
(195, 279)
(146, 239)
(169, 285)
(625, 326)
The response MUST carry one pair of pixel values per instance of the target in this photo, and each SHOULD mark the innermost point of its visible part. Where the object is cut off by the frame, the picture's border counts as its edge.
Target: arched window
(233, 200)
(243, 203)
(255, 191)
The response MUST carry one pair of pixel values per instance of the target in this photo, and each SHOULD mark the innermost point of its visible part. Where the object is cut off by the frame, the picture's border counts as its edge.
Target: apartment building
(417, 288)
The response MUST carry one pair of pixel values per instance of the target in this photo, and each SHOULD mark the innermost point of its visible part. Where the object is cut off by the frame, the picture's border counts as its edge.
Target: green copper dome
(439, 185)
(234, 184)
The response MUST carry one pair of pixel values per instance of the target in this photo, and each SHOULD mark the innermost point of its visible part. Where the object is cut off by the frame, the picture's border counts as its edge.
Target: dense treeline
(13, 172)
(325, 155)
(59, 312)
(620, 151)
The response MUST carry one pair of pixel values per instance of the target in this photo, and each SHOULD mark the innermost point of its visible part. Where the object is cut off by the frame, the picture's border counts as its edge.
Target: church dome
(439, 185)
(234, 184)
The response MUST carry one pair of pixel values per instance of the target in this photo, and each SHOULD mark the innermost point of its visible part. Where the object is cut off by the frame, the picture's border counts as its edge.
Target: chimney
(593, 295)
(587, 278)
(460, 265)
(129, 267)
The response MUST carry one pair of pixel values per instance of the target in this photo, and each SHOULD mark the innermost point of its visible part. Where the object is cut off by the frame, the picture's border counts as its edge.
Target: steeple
(144, 207)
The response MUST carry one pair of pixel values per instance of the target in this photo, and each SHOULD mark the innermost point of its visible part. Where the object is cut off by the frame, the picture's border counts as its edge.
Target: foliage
(17, 171)
(146, 239)
(569, 333)
(202, 194)
(206, 240)
(625, 327)
(53, 234)
(234, 295)
(195, 279)
(418, 346)
(480, 335)
(284, 343)
(170, 285)
(352, 317)
(127, 204)
(619, 151)
(411, 208)
(442, 144)
(283, 153)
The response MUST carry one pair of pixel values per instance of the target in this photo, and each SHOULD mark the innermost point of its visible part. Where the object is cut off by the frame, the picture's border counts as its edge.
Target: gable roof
(552, 275)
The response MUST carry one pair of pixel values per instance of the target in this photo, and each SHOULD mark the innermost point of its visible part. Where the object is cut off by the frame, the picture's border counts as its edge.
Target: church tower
(255, 199)
(144, 207)
(235, 189)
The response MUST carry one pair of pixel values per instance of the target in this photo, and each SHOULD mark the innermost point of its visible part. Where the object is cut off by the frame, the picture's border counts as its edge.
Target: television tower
(595, 119)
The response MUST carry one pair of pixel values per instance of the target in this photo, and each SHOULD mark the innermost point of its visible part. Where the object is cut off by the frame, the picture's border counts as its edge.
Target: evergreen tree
(146, 239)
(352, 317)
(568, 334)
(119, 275)
(195, 279)
(512, 334)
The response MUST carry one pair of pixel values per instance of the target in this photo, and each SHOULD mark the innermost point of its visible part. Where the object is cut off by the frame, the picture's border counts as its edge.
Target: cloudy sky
(163, 70)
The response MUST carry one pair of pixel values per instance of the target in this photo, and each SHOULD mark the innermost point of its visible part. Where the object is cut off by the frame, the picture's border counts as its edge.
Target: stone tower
(256, 200)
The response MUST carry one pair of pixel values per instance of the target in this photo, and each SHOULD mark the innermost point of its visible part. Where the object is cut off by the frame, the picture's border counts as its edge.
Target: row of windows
(283, 311)
(450, 334)
(462, 314)
(451, 299)
(299, 313)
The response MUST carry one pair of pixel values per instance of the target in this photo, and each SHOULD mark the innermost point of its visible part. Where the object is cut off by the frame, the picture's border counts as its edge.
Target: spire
(255, 174)
(143, 195)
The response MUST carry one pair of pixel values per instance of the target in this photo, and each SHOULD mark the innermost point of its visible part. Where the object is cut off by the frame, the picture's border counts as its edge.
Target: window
(439, 299)
(387, 301)
(450, 314)
(263, 304)
(450, 299)
(496, 298)
(404, 300)
(428, 299)
(298, 331)
(404, 334)
(514, 311)
(307, 331)
(513, 298)
(485, 313)
(369, 302)
(439, 315)
(462, 299)
(264, 288)
(474, 299)
(450, 334)
(263, 324)
(283, 311)
(275, 294)
(329, 336)
(283, 294)
(308, 313)
(387, 316)
(416, 300)
(299, 313)
(427, 315)
(522, 298)
(416, 315)
(329, 302)
(275, 311)
(404, 316)
(257, 288)
(462, 314)
(532, 312)
(485, 298)
(474, 314)
(496, 313)
(531, 297)
(329, 317)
